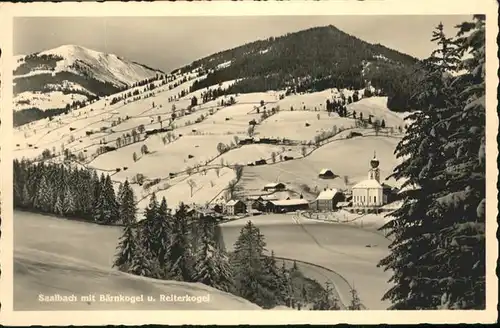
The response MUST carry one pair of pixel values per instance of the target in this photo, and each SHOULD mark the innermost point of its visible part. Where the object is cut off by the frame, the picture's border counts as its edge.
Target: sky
(168, 43)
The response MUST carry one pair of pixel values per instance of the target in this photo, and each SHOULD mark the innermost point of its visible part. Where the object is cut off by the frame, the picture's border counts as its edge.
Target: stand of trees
(74, 193)
(438, 251)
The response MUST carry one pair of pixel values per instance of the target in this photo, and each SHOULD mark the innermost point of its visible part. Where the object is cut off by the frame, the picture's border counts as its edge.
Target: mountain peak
(72, 50)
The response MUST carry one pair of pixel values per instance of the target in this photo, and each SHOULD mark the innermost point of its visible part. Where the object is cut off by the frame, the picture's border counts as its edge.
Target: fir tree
(326, 300)
(143, 264)
(437, 254)
(212, 265)
(58, 207)
(127, 209)
(355, 301)
(127, 249)
(43, 198)
(461, 248)
(179, 250)
(249, 271)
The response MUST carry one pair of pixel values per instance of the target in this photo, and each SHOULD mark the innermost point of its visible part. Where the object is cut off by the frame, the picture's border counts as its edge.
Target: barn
(289, 205)
(327, 200)
(327, 174)
(275, 186)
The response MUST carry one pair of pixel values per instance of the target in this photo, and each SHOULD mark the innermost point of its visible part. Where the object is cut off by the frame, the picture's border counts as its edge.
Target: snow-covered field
(292, 125)
(349, 158)
(339, 247)
(77, 259)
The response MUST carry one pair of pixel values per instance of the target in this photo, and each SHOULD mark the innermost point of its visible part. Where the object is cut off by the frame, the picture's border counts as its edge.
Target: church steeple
(374, 173)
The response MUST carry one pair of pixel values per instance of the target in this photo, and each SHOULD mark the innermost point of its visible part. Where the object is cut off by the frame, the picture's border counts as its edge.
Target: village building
(370, 193)
(327, 200)
(275, 186)
(288, 205)
(234, 207)
(327, 174)
(217, 208)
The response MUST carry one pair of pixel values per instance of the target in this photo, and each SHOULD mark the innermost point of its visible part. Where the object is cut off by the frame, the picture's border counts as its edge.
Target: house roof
(327, 194)
(273, 185)
(290, 202)
(368, 184)
(233, 202)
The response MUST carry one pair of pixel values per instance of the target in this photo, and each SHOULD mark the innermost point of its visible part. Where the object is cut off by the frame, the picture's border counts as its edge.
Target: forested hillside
(310, 60)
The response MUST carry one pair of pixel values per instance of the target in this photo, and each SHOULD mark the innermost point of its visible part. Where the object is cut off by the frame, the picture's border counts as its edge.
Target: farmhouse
(245, 141)
(370, 193)
(234, 207)
(327, 200)
(289, 205)
(327, 174)
(275, 186)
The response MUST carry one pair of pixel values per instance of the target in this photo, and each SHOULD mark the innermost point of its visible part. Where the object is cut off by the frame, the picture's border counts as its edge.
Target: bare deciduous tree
(192, 185)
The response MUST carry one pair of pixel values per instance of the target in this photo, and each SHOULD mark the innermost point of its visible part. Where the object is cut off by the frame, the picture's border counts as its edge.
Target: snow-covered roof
(368, 184)
(273, 185)
(323, 171)
(289, 202)
(327, 194)
(232, 202)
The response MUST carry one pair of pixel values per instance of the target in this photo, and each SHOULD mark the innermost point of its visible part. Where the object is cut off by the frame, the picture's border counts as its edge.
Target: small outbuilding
(327, 174)
(275, 186)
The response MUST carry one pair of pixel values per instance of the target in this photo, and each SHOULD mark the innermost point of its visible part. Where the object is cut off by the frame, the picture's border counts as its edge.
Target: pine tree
(43, 197)
(437, 254)
(179, 254)
(355, 301)
(212, 264)
(461, 204)
(107, 206)
(26, 198)
(127, 209)
(68, 206)
(127, 249)
(247, 262)
(143, 264)
(326, 300)
(58, 207)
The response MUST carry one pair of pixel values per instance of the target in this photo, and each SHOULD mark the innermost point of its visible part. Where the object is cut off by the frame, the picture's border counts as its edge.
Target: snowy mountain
(56, 78)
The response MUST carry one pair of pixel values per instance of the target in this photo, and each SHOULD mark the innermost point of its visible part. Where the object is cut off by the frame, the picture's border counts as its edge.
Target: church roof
(368, 184)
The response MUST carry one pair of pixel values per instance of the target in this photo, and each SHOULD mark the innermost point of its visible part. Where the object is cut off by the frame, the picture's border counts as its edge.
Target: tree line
(65, 191)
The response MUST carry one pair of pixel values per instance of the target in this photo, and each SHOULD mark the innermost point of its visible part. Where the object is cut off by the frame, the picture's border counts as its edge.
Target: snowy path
(57, 256)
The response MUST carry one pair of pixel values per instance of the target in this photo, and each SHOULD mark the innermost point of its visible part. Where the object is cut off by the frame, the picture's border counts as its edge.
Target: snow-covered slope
(83, 267)
(56, 77)
(104, 67)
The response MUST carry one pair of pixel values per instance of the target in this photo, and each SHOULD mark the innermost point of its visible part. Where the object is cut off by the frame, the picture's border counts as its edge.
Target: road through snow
(338, 247)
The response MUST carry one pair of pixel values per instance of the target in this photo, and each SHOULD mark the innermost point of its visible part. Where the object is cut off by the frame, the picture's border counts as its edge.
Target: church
(370, 193)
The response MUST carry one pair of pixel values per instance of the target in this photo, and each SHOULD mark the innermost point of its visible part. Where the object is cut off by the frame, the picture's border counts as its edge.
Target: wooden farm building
(275, 186)
(327, 200)
(234, 207)
(327, 174)
(287, 205)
